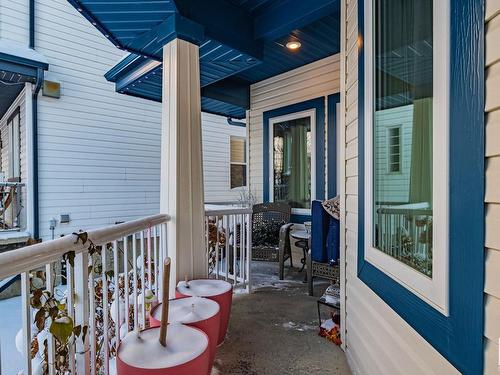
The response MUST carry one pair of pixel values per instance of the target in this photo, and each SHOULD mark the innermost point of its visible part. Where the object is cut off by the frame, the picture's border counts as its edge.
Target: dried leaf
(70, 257)
(62, 328)
(81, 236)
(77, 330)
(40, 319)
(35, 300)
(84, 332)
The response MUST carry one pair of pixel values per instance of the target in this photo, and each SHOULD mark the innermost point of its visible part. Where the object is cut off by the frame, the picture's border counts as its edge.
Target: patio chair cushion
(325, 234)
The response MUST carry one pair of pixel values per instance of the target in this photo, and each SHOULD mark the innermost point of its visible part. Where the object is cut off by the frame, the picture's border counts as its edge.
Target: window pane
(238, 175)
(292, 162)
(238, 150)
(402, 131)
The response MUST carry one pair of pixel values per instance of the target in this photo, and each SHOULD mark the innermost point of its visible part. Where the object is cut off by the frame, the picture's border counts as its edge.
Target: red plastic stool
(198, 312)
(186, 352)
(219, 291)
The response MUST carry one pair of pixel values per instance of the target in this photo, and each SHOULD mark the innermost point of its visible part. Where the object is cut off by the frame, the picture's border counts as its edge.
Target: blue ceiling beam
(229, 90)
(225, 22)
(288, 15)
(137, 75)
(175, 26)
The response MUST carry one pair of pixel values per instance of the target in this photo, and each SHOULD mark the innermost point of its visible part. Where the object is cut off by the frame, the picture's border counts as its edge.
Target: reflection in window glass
(292, 162)
(402, 131)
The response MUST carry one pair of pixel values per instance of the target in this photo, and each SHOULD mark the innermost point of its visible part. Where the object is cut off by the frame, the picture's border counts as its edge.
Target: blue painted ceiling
(11, 85)
(241, 42)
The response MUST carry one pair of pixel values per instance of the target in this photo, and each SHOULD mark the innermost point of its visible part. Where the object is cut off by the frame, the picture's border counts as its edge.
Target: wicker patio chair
(321, 270)
(263, 214)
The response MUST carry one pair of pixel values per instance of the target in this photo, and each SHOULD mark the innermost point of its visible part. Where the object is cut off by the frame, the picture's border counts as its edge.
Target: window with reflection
(402, 133)
(292, 162)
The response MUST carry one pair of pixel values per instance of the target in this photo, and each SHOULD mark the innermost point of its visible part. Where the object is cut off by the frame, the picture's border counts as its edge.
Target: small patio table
(303, 237)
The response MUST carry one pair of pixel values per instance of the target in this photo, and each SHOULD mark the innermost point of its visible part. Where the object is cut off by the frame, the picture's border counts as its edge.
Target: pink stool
(186, 352)
(219, 291)
(198, 312)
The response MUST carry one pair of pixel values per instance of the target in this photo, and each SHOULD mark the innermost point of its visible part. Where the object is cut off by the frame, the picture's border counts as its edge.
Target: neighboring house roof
(241, 42)
(18, 65)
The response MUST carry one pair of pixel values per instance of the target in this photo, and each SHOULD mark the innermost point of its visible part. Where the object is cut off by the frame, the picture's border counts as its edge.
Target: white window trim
(311, 113)
(432, 290)
(238, 163)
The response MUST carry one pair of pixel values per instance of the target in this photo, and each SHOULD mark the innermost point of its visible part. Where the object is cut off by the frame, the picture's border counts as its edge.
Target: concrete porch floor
(274, 330)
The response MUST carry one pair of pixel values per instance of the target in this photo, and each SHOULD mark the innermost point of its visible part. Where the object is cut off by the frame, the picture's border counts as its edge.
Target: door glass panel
(292, 162)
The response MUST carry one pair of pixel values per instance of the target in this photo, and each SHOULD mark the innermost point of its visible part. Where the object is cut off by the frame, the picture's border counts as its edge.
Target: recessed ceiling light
(293, 45)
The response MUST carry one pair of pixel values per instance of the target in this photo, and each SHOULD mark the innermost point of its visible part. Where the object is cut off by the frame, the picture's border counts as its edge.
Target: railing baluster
(82, 311)
(235, 247)
(207, 245)
(116, 274)
(161, 236)
(242, 247)
(156, 259)
(105, 308)
(217, 247)
(126, 292)
(92, 324)
(26, 320)
(70, 308)
(249, 252)
(143, 283)
(49, 285)
(225, 220)
(134, 275)
(150, 270)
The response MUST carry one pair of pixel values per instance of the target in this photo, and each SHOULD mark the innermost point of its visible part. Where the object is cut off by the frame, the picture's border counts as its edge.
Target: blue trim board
(458, 337)
(332, 140)
(319, 105)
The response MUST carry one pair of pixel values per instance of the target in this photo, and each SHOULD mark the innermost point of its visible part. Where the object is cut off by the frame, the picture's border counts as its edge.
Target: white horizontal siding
(377, 340)
(492, 193)
(395, 186)
(216, 148)
(99, 151)
(314, 80)
(14, 21)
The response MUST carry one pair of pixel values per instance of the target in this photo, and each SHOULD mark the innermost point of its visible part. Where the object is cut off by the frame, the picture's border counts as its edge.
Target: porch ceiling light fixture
(293, 45)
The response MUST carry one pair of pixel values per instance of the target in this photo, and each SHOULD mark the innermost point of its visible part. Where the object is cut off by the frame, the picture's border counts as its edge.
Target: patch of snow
(203, 287)
(189, 310)
(10, 311)
(299, 326)
(183, 345)
(16, 49)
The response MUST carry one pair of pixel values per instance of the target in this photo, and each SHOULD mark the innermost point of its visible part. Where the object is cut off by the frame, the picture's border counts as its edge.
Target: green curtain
(421, 152)
(298, 186)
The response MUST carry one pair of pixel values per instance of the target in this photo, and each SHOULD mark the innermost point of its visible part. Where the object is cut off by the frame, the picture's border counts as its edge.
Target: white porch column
(181, 194)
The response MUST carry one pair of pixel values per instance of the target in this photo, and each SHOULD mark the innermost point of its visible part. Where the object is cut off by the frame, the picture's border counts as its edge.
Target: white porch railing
(11, 205)
(229, 243)
(406, 234)
(108, 271)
